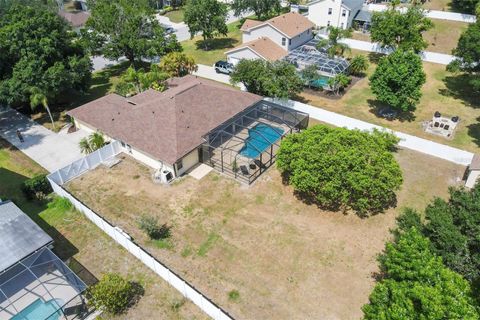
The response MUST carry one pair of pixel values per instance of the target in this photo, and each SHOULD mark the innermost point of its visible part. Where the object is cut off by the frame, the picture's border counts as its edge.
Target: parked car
(223, 67)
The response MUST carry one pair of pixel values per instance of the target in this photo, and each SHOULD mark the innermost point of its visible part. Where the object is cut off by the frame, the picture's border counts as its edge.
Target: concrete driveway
(50, 150)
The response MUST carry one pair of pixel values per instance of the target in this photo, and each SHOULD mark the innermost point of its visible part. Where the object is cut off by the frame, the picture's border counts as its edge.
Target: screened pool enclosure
(41, 287)
(246, 145)
(307, 55)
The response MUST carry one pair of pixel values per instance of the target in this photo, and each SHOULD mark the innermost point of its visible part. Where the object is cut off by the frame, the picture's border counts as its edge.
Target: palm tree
(37, 97)
(85, 146)
(332, 44)
(96, 141)
(358, 65)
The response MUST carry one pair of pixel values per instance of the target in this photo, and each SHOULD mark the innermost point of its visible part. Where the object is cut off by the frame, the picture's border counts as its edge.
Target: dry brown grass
(288, 260)
(443, 92)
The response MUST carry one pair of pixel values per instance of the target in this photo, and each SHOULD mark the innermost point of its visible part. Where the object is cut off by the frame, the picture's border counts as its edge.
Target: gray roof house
(34, 282)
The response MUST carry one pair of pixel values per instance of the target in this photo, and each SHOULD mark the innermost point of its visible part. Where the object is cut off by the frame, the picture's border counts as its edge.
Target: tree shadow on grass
(374, 57)
(377, 107)
(459, 87)
(474, 131)
(216, 44)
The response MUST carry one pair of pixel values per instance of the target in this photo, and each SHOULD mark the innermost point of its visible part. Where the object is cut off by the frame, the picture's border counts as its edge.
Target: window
(344, 13)
(328, 23)
(330, 10)
(284, 41)
(289, 41)
(179, 164)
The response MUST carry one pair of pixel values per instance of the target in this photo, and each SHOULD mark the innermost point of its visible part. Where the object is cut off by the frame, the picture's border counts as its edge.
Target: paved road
(50, 150)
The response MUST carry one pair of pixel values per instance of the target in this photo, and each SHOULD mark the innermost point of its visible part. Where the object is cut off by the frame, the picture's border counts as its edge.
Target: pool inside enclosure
(246, 145)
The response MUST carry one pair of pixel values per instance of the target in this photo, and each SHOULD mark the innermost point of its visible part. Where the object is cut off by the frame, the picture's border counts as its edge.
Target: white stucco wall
(301, 39)
(244, 53)
(268, 32)
(472, 178)
(83, 126)
(318, 14)
(188, 161)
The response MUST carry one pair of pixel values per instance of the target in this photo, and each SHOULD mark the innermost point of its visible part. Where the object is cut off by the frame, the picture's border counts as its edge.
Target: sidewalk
(435, 149)
(50, 150)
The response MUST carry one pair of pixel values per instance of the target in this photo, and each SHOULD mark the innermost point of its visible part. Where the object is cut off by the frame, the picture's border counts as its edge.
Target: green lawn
(176, 16)
(217, 46)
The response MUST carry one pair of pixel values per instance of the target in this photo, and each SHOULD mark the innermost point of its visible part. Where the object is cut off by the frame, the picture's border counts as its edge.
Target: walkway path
(408, 141)
(433, 14)
(50, 150)
(426, 56)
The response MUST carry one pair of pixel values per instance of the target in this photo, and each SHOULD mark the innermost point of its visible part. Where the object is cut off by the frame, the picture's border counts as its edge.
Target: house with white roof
(272, 39)
(336, 13)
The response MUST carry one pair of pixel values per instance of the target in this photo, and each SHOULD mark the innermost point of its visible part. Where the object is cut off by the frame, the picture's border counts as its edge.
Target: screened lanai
(308, 54)
(246, 145)
(40, 287)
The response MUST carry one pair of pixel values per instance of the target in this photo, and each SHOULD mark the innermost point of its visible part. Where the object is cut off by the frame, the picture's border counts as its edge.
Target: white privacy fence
(433, 14)
(58, 178)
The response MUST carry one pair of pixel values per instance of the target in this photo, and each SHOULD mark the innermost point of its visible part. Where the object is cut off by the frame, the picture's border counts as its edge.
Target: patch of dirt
(288, 260)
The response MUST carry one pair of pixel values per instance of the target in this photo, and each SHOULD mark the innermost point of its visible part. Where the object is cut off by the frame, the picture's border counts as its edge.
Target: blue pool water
(259, 139)
(40, 310)
(320, 82)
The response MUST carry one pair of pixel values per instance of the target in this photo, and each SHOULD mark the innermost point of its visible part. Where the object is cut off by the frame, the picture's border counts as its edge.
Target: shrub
(37, 187)
(112, 293)
(344, 169)
(152, 228)
(233, 295)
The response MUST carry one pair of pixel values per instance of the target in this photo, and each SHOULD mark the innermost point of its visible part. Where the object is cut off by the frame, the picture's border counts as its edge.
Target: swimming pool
(260, 137)
(39, 309)
(320, 82)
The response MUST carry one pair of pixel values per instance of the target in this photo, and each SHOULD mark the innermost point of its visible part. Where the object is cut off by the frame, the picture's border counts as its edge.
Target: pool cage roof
(308, 54)
(39, 287)
(240, 149)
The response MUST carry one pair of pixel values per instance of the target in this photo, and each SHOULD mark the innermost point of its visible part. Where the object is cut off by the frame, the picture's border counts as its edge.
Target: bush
(152, 228)
(112, 294)
(338, 168)
(37, 187)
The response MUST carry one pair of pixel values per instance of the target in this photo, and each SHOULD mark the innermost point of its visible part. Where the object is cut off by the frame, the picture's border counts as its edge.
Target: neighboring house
(76, 19)
(272, 39)
(34, 282)
(169, 131)
(336, 13)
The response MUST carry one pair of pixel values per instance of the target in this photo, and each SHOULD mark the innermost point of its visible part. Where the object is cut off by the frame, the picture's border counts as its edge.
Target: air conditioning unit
(163, 176)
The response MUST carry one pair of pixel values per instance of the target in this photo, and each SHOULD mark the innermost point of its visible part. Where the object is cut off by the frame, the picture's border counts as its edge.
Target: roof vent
(113, 119)
(131, 102)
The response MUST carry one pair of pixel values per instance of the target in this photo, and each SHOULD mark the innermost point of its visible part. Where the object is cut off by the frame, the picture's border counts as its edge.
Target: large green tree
(398, 80)
(278, 79)
(39, 50)
(52, 5)
(342, 169)
(416, 285)
(208, 17)
(453, 228)
(393, 29)
(126, 28)
(467, 6)
(468, 54)
(263, 9)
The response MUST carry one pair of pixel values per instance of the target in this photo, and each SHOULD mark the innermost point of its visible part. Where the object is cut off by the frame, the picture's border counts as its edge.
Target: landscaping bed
(258, 251)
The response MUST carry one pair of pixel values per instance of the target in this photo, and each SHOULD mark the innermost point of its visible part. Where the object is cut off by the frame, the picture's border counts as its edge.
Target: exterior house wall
(473, 176)
(83, 126)
(318, 14)
(268, 32)
(188, 162)
(244, 53)
(300, 39)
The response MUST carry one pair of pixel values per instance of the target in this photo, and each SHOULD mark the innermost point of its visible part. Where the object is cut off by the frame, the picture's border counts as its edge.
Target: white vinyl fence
(433, 14)
(58, 178)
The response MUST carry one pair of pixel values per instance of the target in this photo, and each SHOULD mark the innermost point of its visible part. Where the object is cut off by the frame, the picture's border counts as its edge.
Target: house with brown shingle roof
(165, 130)
(272, 39)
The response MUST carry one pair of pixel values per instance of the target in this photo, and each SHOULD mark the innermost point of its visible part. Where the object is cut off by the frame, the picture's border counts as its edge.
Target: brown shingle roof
(291, 24)
(166, 125)
(77, 19)
(264, 47)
